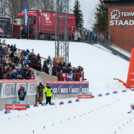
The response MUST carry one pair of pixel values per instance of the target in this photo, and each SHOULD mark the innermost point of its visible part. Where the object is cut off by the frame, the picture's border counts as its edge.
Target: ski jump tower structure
(62, 42)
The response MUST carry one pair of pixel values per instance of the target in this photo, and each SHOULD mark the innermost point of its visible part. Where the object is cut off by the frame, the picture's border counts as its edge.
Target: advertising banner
(69, 87)
(15, 107)
(9, 88)
(85, 96)
(32, 89)
(25, 16)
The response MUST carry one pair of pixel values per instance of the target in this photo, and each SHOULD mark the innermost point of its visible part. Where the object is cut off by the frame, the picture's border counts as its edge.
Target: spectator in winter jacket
(70, 76)
(45, 67)
(50, 68)
(14, 74)
(40, 88)
(49, 60)
(26, 52)
(21, 93)
(79, 36)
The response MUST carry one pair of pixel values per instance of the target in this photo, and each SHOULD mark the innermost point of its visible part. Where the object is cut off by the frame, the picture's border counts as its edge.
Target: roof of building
(112, 3)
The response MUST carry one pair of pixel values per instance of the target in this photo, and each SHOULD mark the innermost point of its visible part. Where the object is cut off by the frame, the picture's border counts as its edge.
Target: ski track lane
(86, 116)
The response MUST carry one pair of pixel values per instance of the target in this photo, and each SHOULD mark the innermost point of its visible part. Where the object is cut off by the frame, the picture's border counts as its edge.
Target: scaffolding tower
(61, 30)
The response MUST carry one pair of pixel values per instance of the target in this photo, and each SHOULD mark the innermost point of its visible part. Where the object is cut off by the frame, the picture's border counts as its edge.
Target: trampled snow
(103, 115)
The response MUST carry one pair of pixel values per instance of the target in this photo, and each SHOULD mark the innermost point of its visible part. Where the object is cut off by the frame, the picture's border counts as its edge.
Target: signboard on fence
(15, 107)
(60, 59)
(9, 88)
(85, 96)
(60, 87)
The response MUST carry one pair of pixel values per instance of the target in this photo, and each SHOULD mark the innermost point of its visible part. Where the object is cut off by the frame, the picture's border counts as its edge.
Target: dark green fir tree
(101, 19)
(78, 16)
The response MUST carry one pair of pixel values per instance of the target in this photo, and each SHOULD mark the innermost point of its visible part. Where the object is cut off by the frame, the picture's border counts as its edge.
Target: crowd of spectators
(18, 64)
(62, 70)
(13, 62)
(88, 36)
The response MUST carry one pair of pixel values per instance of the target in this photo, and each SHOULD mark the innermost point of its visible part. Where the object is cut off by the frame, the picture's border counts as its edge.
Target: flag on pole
(25, 16)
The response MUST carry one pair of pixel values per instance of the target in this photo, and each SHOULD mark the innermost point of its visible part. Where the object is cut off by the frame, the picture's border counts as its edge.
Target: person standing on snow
(40, 88)
(48, 93)
(21, 93)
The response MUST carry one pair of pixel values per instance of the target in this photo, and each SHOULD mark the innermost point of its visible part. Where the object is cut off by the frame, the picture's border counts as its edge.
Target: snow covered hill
(100, 115)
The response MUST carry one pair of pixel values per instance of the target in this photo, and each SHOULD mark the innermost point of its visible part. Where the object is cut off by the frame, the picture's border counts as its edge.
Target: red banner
(85, 96)
(15, 107)
(67, 82)
(18, 81)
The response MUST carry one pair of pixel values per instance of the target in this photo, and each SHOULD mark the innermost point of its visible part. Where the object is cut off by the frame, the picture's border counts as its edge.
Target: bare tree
(47, 5)
(16, 6)
(12, 7)
(3, 7)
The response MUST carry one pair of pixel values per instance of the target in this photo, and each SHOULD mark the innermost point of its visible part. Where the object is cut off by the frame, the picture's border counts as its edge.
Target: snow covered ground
(101, 115)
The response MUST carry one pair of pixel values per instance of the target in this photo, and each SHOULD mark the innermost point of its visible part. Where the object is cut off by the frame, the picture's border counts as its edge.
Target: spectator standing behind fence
(94, 36)
(70, 76)
(40, 88)
(101, 37)
(21, 93)
(76, 36)
(79, 36)
(48, 93)
(45, 67)
(50, 68)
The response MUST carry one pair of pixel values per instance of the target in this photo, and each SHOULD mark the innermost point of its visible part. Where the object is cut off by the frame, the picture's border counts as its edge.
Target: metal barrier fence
(70, 76)
(49, 34)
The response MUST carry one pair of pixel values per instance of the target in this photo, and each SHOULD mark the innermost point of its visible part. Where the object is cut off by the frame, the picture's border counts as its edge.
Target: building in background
(121, 23)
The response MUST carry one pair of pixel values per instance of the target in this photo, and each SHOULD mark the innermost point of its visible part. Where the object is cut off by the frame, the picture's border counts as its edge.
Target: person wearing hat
(48, 93)
(40, 88)
(21, 93)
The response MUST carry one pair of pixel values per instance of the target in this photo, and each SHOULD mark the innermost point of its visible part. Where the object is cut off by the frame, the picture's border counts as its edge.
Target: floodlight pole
(61, 30)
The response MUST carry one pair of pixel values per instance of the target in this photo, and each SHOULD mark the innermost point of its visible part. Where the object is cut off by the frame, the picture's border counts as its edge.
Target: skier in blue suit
(132, 108)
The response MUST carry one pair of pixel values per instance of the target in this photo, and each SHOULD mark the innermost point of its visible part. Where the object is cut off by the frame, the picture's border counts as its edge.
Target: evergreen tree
(101, 19)
(78, 15)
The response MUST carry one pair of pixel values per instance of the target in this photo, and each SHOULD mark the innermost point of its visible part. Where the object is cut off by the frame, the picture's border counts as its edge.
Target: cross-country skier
(132, 108)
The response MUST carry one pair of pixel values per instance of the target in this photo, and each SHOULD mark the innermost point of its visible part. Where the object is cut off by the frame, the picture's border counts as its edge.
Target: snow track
(107, 115)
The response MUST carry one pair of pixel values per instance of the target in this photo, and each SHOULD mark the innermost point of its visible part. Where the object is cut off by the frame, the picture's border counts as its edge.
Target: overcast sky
(88, 8)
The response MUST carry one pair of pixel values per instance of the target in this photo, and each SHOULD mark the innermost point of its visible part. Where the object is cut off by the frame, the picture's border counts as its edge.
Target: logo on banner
(15, 107)
(119, 18)
(47, 17)
(115, 14)
(59, 91)
(80, 88)
(70, 89)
